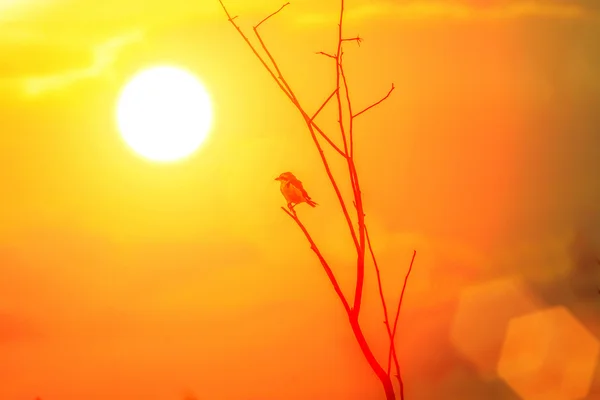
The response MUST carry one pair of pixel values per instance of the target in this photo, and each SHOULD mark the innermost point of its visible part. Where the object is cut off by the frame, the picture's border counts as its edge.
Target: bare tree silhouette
(356, 226)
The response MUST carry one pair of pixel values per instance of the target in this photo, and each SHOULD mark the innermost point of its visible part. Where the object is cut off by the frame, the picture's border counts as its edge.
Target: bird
(293, 191)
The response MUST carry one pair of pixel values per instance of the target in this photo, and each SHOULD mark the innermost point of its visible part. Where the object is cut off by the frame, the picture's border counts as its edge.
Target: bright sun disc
(164, 113)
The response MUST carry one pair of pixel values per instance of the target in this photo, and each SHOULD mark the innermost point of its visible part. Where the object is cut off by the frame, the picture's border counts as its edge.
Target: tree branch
(386, 320)
(324, 263)
(351, 122)
(323, 105)
(328, 140)
(361, 236)
(358, 204)
(374, 104)
(270, 15)
(326, 54)
(335, 147)
(311, 124)
(356, 39)
(237, 28)
(360, 245)
(266, 50)
(399, 377)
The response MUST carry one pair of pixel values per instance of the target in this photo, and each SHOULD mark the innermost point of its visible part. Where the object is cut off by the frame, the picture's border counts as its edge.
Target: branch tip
(376, 103)
(272, 14)
(322, 53)
(356, 39)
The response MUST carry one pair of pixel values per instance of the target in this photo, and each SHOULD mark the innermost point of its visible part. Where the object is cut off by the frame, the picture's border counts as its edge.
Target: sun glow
(164, 113)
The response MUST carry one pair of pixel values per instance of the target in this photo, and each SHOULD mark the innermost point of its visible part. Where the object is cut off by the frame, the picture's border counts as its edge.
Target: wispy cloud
(18, 9)
(104, 55)
(432, 10)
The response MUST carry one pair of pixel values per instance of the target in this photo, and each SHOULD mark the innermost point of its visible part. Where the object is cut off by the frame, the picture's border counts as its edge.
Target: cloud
(103, 56)
(19, 60)
(449, 10)
(11, 10)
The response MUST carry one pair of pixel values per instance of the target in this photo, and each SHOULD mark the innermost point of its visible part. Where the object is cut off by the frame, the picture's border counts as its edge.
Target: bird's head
(286, 176)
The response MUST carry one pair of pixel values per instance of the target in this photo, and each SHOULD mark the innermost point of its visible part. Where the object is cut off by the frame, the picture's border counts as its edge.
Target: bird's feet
(291, 208)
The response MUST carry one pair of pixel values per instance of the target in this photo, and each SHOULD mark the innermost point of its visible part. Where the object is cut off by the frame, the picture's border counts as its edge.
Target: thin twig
(311, 125)
(386, 320)
(324, 263)
(354, 177)
(326, 54)
(399, 377)
(266, 50)
(353, 312)
(328, 140)
(360, 245)
(323, 105)
(356, 192)
(374, 104)
(356, 39)
(263, 62)
(335, 147)
(270, 15)
(349, 104)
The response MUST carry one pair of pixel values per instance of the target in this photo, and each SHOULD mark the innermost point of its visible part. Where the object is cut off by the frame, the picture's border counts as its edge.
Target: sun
(164, 113)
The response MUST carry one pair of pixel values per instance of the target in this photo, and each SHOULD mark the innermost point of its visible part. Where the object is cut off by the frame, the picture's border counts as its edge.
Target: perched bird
(293, 191)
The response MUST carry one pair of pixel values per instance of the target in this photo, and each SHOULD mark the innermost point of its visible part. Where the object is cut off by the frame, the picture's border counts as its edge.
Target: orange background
(122, 279)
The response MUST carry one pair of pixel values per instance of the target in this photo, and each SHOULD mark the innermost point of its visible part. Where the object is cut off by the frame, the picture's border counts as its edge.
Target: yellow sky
(124, 279)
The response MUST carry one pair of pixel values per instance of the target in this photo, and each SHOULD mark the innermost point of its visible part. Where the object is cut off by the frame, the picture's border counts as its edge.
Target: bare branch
(270, 15)
(374, 104)
(263, 62)
(399, 377)
(324, 263)
(311, 124)
(326, 54)
(266, 50)
(347, 152)
(360, 245)
(328, 140)
(360, 270)
(326, 137)
(356, 39)
(386, 320)
(350, 123)
(323, 105)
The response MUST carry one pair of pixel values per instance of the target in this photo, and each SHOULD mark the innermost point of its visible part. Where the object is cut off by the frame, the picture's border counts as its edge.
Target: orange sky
(123, 279)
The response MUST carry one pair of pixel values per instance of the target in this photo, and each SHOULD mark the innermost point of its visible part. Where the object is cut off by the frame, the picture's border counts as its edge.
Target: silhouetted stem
(352, 316)
(360, 246)
(347, 152)
(376, 103)
(400, 382)
(311, 124)
(386, 321)
(326, 267)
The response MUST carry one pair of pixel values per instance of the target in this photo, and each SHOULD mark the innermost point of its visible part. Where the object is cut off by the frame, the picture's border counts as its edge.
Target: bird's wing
(300, 187)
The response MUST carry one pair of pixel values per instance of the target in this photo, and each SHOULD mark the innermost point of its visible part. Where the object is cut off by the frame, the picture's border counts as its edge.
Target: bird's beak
(278, 178)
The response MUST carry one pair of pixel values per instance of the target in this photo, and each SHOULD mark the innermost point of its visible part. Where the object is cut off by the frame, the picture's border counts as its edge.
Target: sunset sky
(125, 279)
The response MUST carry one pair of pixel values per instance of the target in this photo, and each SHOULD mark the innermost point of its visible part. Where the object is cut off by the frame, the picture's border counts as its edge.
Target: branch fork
(357, 227)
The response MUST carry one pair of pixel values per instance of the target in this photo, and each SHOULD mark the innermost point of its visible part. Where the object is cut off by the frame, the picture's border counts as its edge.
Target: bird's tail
(311, 203)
